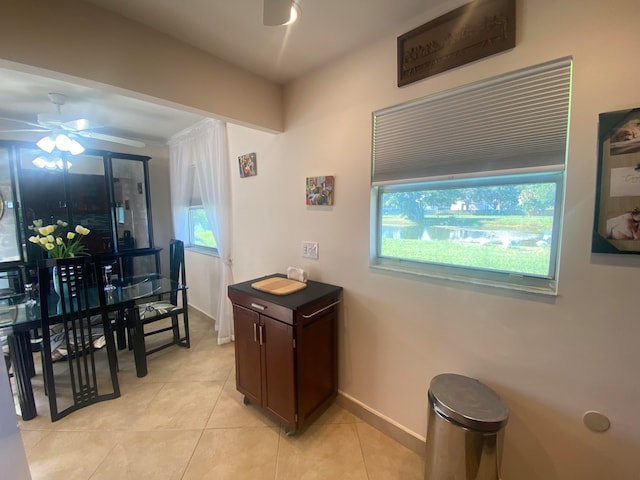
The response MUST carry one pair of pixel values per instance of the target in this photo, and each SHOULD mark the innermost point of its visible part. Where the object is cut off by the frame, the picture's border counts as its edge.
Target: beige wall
(551, 359)
(77, 39)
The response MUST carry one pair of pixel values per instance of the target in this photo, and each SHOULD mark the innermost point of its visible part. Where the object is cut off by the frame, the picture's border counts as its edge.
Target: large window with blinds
(468, 184)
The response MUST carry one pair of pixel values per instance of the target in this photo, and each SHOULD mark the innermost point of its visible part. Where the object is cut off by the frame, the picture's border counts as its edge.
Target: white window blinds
(513, 121)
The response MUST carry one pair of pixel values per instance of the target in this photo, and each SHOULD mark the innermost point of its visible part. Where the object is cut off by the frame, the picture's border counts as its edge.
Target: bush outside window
(200, 233)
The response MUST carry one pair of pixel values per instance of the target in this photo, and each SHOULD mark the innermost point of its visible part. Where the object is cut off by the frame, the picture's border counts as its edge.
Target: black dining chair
(171, 308)
(78, 372)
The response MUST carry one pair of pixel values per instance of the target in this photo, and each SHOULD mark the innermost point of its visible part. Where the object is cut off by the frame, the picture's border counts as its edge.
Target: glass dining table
(19, 317)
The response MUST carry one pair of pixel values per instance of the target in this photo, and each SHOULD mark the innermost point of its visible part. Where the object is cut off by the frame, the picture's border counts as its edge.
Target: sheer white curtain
(181, 170)
(204, 146)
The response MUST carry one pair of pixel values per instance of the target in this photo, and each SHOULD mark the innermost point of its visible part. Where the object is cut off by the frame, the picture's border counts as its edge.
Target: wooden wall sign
(476, 30)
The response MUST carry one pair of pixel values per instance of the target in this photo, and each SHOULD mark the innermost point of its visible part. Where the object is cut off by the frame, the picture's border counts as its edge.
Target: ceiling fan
(64, 135)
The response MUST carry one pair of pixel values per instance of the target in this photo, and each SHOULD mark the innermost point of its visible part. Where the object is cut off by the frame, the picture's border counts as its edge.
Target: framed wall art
(617, 210)
(248, 165)
(468, 33)
(320, 190)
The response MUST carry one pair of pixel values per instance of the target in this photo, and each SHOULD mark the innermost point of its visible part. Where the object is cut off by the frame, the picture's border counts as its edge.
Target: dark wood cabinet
(286, 350)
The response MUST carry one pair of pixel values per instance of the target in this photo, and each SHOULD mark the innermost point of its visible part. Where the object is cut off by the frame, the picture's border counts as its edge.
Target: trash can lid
(468, 402)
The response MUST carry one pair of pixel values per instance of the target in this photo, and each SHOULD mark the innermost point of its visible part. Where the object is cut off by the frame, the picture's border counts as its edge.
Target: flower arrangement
(59, 244)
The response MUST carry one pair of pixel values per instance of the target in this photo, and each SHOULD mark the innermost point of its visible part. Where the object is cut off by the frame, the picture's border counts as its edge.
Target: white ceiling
(229, 29)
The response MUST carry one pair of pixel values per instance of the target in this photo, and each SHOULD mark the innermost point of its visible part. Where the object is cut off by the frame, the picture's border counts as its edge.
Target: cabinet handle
(260, 331)
(258, 306)
(255, 335)
(321, 310)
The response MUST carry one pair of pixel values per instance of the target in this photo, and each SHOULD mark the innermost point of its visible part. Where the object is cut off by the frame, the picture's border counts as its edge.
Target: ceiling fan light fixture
(63, 143)
(42, 162)
(47, 143)
(61, 163)
(75, 147)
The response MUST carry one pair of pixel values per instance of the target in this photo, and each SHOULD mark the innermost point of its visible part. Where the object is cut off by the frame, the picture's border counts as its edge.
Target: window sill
(211, 252)
(504, 281)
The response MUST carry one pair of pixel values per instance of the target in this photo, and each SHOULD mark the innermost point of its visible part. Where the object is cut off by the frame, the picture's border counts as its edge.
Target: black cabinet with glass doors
(104, 191)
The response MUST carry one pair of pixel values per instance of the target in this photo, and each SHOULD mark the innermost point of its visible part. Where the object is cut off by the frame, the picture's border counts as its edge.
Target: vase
(56, 283)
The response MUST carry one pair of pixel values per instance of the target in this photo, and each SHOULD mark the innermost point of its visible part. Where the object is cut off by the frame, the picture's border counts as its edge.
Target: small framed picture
(617, 211)
(320, 190)
(248, 165)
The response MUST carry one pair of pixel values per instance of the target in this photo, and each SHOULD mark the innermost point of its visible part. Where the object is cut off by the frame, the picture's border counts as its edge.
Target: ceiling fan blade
(111, 138)
(79, 124)
(276, 12)
(20, 130)
(24, 122)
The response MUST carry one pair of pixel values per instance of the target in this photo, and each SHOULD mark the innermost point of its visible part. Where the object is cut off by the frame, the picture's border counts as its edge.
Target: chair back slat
(150, 313)
(176, 266)
(73, 312)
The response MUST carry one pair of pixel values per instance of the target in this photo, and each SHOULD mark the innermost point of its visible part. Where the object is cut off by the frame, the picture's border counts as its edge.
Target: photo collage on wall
(617, 219)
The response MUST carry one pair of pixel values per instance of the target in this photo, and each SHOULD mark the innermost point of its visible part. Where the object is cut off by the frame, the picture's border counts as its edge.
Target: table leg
(22, 358)
(137, 338)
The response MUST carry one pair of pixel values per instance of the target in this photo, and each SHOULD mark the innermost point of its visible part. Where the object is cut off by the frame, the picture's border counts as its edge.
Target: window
(469, 185)
(200, 233)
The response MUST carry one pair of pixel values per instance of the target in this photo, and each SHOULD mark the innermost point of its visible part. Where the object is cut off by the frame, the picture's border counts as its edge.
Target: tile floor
(185, 420)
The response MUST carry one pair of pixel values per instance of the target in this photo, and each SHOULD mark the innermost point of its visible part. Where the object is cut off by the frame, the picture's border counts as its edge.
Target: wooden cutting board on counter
(278, 286)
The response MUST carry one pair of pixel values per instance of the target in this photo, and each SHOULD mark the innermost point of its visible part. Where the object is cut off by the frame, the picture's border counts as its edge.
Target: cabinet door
(89, 201)
(317, 364)
(278, 367)
(248, 371)
(130, 202)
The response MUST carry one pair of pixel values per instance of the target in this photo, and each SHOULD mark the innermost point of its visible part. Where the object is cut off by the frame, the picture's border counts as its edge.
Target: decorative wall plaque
(473, 31)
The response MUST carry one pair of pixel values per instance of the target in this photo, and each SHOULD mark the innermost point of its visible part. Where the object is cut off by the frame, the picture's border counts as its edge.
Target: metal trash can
(465, 430)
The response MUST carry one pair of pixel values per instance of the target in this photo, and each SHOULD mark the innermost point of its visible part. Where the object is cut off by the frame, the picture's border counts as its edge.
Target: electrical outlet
(310, 250)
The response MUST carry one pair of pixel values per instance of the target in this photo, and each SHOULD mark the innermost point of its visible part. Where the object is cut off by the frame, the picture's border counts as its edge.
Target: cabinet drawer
(262, 306)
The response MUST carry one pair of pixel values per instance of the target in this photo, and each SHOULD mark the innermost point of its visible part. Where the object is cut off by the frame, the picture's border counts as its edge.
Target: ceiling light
(62, 142)
(51, 163)
(42, 162)
(279, 12)
(47, 143)
(75, 148)
(60, 164)
(295, 14)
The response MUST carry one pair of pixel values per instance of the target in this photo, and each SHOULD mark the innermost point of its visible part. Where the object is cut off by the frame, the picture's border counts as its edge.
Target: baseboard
(202, 313)
(380, 422)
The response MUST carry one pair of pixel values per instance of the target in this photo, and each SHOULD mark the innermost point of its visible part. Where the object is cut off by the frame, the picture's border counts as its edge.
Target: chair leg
(120, 329)
(176, 329)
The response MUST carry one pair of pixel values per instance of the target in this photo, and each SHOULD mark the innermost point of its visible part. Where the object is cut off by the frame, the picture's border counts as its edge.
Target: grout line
(364, 460)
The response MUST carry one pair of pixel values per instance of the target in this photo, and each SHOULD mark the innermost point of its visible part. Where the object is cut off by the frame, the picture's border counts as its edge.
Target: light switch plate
(310, 250)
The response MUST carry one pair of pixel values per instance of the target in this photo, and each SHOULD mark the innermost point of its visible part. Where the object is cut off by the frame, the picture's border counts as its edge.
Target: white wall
(12, 455)
(551, 359)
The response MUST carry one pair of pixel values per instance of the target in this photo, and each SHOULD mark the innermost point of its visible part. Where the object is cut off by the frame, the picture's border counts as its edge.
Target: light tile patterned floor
(185, 421)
